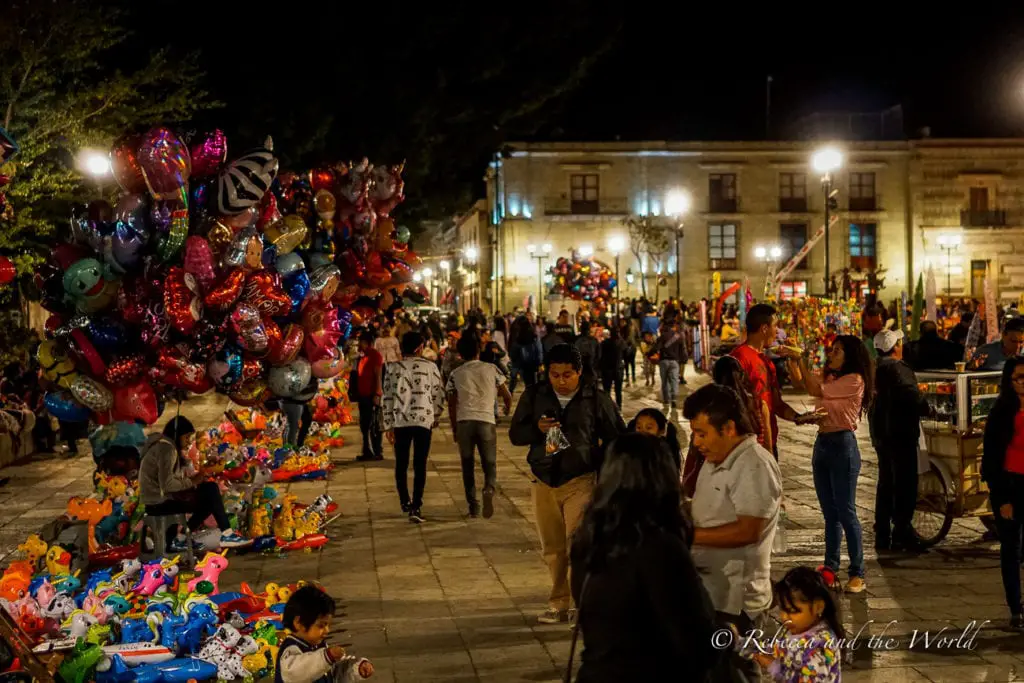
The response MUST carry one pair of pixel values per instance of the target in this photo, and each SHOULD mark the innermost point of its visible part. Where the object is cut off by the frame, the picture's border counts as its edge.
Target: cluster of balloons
(584, 279)
(215, 274)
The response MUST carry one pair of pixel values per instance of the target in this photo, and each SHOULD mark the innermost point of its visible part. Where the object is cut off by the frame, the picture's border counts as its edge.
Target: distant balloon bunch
(216, 274)
(584, 279)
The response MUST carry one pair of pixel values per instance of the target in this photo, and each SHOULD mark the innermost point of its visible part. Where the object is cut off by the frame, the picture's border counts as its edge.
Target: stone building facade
(895, 199)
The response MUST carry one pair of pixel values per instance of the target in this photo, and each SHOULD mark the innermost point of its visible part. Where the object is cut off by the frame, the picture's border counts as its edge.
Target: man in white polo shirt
(735, 510)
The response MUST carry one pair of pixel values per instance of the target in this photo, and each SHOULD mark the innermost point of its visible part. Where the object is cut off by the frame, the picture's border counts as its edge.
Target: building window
(793, 289)
(862, 192)
(584, 189)
(862, 246)
(792, 237)
(792, 192)
(722, 193)
(979, 269)
(979, 199)
(722, 247)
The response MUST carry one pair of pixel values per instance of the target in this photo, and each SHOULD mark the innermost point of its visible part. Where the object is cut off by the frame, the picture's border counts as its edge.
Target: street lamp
(95, 164)
(677, 203)
(629, 276)
(616, 245)
(543, 253)
(769, 255)
(445, 267)
(826, 161)
(949, 243)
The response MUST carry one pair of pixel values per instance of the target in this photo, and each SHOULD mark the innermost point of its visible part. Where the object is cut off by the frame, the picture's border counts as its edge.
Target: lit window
(862, 246)
(793, 289)
(722, 246)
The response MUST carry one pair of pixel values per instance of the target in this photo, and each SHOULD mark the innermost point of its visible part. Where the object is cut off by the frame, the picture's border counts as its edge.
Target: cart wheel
(933, 514)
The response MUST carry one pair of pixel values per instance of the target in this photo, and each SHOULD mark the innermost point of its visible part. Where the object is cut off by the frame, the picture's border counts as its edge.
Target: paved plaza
(456, 599)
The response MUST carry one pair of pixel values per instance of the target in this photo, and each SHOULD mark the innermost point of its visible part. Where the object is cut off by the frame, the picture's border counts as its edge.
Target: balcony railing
(983, 219)
(605, 206)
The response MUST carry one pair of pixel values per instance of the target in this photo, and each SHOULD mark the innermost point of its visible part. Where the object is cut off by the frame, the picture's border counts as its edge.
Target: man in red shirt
(368, 388)
(762, 328)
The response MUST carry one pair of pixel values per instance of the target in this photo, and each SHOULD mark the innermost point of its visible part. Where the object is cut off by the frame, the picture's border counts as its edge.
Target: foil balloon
(199, 261)
(122, 371)
(181, 308)
(364, 221)
(125, 246)
(225, 368)
(322, 178)
(322, 331)
(324, 281)
(136, 402)
(174, 240)
(287, 233)
(297, 287)
(324, 204)
(286, 349)
(387, 189)
(383, 234)
(155, 328)
(289, 380)
(84, 281)
(209, 337)
(84, 348)
(402, 234)
(55, 363)
(318, 258)
(268, 211)
(224, 295)
(91, 394)
(131, 209)
(165, 163)
(243, 182)
(245, 250)
(400, 272)
(244, 219)
(208, 152)
(219, 235)
(250, 393)
(346, 295)
(354, 184)
(378, 277)
(175, 370)
(62, 406)
(263, 290)
(330, 366)
(124, 164)
(107, 335)
(131, 300)
(252, 368)
(287, 264)
(248, 328)
(353, 268)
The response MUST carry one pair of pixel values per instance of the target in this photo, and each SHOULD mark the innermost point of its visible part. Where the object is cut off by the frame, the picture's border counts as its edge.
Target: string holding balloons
(583, 278)
(216, 272)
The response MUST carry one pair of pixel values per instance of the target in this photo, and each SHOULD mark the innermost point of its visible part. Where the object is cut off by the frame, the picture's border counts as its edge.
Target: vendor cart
(949, 483)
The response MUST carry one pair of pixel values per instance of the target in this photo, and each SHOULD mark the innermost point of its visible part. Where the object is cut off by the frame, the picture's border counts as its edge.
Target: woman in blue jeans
(840, 391)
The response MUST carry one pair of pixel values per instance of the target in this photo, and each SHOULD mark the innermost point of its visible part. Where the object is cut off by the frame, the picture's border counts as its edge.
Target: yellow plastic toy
(34, 548)
(271, 590)
(260, 524)
(308, 524)
(56, 365)
(284, 523)
(58, 561)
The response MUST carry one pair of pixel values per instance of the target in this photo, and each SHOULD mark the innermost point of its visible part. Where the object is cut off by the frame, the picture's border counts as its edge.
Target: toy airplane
(134, 654)
(174, 671)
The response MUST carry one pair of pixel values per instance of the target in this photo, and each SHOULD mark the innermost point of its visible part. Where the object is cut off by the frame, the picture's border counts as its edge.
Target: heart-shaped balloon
(122, 371)
(165, 163)
(124, 164)
(136, 402)
(209, 337)
(199, 261)
(287, 349)
(224, 295)
(263, 290)
(208, 152)
(329, 366)
(322, 332)
(248, 328)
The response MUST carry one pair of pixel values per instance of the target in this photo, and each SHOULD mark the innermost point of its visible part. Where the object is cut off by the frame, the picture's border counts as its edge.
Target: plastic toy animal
(260, 524)
(97, 608)
(136, 630)
(16, 580)
(308, 524)
(186, 633)
(284, 522)
(80, 665)
(156, 576)
(34, 548)
(45, 592)
(68, 584)
(60, 608)
(210, 568)
(78, 623)
(92, 511)
(118, 604)
(58, 561)
(321, 504)
(222, 651)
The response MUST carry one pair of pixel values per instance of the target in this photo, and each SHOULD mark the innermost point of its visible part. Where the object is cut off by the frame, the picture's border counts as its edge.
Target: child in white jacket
(304, 656)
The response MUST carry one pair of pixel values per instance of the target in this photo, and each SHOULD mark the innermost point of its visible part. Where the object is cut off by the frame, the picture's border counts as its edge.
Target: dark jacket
(644, 615)
(670, 345)
(612, 353)
(590, 421)
(1004, 487)
(590, 349)
(896, 412)
(932, 352)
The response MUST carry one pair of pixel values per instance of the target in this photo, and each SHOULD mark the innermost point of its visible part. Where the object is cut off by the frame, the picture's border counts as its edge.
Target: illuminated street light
(825, 161)
(418, 277)
(616, 245)
(427, 272)
(546, 248)
(444, 265)
(629, 276)
(760, 253)
(471, 254)
(949, 244)
(545, 251)
(94, 163)
(776, 252)
(677, 203)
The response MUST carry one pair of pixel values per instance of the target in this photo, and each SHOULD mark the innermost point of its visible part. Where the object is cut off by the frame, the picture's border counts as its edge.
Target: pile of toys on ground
(806, 322)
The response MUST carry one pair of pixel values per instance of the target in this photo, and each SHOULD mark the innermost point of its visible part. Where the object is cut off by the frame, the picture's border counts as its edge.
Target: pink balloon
(165, 163)
(136, 402)
(323, 331)
(199, 261)
(209, 151)
(329, 366)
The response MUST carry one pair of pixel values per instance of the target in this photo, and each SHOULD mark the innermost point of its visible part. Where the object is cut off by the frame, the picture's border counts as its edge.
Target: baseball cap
(887, 339)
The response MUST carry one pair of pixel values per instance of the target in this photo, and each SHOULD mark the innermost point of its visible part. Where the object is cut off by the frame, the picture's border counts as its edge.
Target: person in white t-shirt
(473, 389)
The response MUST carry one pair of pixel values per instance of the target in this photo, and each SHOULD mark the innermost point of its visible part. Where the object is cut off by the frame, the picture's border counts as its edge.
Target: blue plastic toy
(175, 671)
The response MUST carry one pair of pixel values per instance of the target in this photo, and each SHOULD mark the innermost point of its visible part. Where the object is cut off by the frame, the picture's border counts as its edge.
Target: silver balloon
(318, 258)
(245, 250)
(288, 380)
(289, 263)
(247, 324)
(91, 394)
(324, 281)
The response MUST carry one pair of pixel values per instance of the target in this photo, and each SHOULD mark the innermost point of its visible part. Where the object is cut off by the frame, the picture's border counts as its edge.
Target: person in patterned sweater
(413, 401)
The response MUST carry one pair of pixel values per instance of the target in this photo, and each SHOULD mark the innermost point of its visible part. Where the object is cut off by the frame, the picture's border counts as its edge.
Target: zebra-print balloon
(243, 182)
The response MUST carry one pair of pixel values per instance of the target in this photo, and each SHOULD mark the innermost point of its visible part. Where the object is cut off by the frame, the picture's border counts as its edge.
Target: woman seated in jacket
(168, 485)
(1002, 468)
(642, 608)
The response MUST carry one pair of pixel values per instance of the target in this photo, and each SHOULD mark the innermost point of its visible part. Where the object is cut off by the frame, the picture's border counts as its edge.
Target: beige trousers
(558, 512)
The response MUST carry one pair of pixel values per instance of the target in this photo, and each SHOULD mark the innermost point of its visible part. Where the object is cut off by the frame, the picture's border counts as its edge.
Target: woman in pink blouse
(842, 391)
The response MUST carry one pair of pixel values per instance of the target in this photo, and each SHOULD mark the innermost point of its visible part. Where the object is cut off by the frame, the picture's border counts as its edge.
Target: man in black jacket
(932, 352)
(564, 475)
(895, 421)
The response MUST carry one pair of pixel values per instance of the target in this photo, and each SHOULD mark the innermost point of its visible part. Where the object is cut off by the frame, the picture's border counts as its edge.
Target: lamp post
(677, 203)
(616, 245)
(769, 255)
(543, 253)
(471, 255)
(445, 267)
(949, 243)
(826, 161)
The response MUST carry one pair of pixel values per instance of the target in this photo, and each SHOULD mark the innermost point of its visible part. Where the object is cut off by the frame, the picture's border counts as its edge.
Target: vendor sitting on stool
(168, 485)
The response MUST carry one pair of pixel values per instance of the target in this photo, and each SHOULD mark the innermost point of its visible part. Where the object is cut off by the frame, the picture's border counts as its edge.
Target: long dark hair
(728, 372)
(671, 432)
(856, 361)
(1004, 410)
(522, 332)
(499, 324)
(807, 584)
(637, 495)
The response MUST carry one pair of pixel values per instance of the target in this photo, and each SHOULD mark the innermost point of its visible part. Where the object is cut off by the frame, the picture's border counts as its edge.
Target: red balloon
(353, 269)
(224, 295)
(7, 270)
(346, 295)
(263, 290)
(268, 212)
(178, 301)
(288, 347)
(378, 277)
(125, 370)
(322, 178)
(400, 273)
(173, 369)
(208, 152)
(250, 393)
(131, 299)
(136, 402)
(323, 331)
(165, 163)
(251, 369)
(124, 164)
(89, 353)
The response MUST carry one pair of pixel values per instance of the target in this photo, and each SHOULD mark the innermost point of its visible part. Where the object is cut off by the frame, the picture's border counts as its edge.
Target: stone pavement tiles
(456, 599)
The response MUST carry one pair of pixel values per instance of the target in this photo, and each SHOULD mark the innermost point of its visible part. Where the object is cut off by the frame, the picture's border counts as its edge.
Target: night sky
(444, 84)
